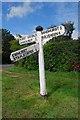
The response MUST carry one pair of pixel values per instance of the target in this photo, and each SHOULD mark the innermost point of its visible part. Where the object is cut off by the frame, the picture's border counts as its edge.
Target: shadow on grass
(54, 89)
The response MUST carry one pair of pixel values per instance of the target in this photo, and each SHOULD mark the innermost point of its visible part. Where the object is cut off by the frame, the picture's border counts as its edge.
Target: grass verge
(21, 98)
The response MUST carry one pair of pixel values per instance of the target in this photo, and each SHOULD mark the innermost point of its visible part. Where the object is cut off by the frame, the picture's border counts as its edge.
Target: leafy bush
(57, 56)
(31, 62)
(74, 66)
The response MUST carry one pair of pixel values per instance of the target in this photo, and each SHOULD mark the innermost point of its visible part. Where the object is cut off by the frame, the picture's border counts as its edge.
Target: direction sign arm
(19, 54)
(60, 30)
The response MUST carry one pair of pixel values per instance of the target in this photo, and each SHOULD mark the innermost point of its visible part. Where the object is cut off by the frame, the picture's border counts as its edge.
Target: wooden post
(41, 63)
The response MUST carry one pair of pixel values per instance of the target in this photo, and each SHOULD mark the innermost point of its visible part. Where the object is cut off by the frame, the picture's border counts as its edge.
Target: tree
(69, 27)
(6, 38)
(0, 47)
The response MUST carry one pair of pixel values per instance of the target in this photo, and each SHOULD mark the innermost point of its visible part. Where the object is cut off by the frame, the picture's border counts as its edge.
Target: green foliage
(14, 45)
(31, 62)
(69, 27)
(57, 55)
(6, 38)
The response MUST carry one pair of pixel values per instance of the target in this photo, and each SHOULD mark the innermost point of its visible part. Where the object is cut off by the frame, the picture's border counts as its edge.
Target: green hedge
(57, 56)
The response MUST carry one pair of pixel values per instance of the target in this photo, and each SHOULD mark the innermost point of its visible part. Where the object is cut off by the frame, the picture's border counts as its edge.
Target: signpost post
(40, 38)
(41, 63)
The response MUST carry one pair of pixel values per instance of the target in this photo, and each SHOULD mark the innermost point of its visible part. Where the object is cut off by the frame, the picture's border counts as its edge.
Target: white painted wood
(22, 53)
(46, 35)
(41, 66)
(27, 39)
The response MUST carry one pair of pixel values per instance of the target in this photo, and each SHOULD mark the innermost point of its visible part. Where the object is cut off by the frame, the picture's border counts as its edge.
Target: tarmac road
(3, 67)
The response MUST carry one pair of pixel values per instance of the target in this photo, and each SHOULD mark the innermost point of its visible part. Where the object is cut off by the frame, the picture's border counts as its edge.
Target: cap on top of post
(39, 28)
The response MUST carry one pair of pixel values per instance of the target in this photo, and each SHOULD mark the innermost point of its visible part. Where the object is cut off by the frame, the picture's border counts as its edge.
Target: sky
(40, 0)
(24, 17)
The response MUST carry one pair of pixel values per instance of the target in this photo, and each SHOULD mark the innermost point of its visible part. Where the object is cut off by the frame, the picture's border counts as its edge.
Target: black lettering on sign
(20, 54)
(29, 40)
(50, 30)
(59, 33)
(29, 52)
(60, 27)
(51, 35)
(13, 57)
(23, 53)
(53, 29)
(17, 57)
(16, 54)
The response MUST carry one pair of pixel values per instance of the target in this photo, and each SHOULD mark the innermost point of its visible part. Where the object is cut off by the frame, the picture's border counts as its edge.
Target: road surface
(2, 67)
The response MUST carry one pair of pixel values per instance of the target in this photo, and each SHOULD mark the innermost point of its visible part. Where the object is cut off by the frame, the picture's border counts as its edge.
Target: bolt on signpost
(41, 63)
(42, 38)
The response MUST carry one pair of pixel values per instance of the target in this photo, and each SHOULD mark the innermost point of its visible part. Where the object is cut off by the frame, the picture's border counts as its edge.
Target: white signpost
(41, 63)
(46, 35)
(40, 38)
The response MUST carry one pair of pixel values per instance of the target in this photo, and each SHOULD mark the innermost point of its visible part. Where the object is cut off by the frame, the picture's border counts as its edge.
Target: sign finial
(39, 28)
